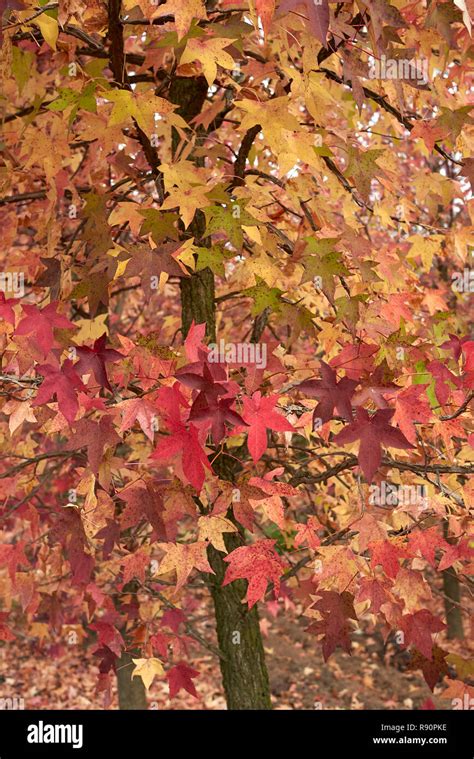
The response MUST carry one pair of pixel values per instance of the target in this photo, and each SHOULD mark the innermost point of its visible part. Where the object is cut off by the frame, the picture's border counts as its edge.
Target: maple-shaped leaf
(445, 381)
(455, 552)
(110, 534)
(154, 265)
(185, 442)
(374, 591)
(6, 308)
(180, 677)
(219, 413)
(93, 360)
(95, 436)
(69, 531)
(213, 528)
(209, 52)
(373, 432)
(173, 618)
(51, 276)
(411, 405)
(387, 554)
(307, 533)
(336, 610)
(316, 13)
(138, 410)
(433, 669)
(259, 414)
(375, 387)
(418, 629)
(182, 558)
(144, 501)
(194, 346)
(330, 393)
(109, 636)
(63, 382)
(41, 322)
(147, 669)
(259, 564)
(135, 565)
(455, 344)
(427, 542)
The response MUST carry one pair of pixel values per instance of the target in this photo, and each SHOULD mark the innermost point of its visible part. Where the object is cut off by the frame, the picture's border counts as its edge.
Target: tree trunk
(452, 597)
(244, 672)
(131, 692)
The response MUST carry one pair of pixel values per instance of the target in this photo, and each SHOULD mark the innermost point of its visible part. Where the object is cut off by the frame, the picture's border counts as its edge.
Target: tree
(235, 328)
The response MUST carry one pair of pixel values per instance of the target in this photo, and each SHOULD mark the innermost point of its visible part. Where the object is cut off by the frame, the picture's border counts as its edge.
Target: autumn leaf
(93, 360)
(373, 432)
(418, 629)
(331, 394)
(147, 669)
(135, 565)
(180, 677)
(317, 15)
(184, 442)
(41, 322)
(182, 558)
(139, 410)
(258, 413)
(259, 564)
(336, 609)
(434, 668)
(184, 12)
(213, 528)
(63, 382)
(210, 53)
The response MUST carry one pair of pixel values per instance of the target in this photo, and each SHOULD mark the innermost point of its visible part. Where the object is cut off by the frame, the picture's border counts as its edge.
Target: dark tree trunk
(452, 599)
(244, 672)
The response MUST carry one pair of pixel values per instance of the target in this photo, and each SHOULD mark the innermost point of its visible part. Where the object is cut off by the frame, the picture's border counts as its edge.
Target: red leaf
(185, 442)
(93, 360)
(418, 628)
(387, 554)
(63, 382)
(41, 323)
(433, 669)
(330, 393)
(180, 678)
(258, 413)
(372, 431)
(259, 564)
(336, 609)
(134, 565)
(109, 636)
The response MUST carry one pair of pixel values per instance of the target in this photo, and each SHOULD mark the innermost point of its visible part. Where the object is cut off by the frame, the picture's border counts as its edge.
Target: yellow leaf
(209, 53)
(213, 529)
(91, 329)
(147, 669)
(49, 29)
(184, 11)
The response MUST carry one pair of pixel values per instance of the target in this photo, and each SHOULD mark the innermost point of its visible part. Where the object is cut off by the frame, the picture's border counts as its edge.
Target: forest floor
(65, 677)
